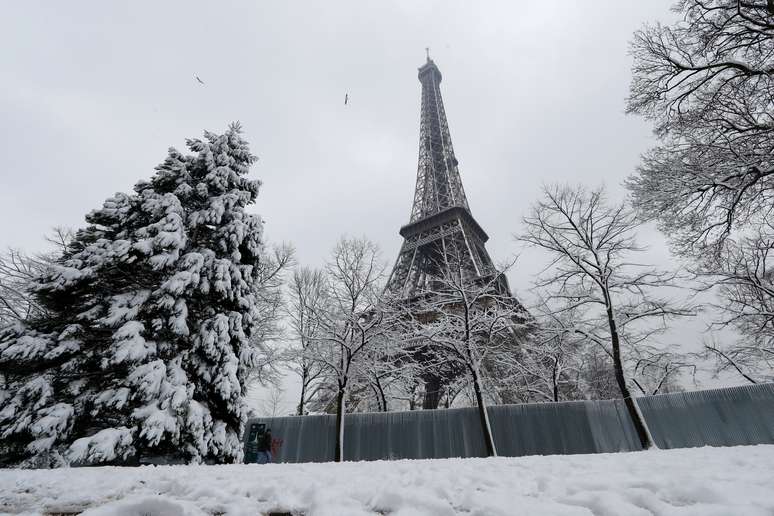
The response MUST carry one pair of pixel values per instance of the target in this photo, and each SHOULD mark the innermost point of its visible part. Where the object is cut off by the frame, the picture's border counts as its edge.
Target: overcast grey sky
(93, 93)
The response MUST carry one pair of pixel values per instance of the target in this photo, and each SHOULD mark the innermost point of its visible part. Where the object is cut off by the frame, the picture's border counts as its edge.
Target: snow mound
(155, 505)
(735, 481)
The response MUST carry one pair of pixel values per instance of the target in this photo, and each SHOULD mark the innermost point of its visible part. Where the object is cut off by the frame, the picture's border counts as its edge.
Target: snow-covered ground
(705, 481)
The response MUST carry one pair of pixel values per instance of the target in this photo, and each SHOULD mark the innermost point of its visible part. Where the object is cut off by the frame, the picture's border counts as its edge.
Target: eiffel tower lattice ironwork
(441, 224)
(442, 233)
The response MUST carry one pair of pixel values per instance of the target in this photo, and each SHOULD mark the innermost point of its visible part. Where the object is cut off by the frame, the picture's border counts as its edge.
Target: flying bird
(346, 98)
(197, 78)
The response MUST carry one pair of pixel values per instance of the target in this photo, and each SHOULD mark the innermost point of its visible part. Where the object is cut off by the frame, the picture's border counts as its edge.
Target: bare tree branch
(593, 290)
(707, 83)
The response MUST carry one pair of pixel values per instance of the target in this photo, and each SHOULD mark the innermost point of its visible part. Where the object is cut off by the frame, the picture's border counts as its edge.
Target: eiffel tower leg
(433, 391)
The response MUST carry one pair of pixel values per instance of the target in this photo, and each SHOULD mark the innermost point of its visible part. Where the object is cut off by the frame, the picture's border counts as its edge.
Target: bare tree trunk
(634, 413)
(304, 376)
(378, 397)
(381, 397)
(340, 401)
(486, 428)
(555, 379)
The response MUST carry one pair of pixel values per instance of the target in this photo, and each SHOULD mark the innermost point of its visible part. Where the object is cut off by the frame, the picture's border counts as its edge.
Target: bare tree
(657, 372)
(560, 363)
(463, 323)
(381, 367)
(273, 403)
(548, 366)
(707, 83)
(745, 361)
(596, 375)
(348, 320)
(378, 380)
(307, 293)
(18, 270)
(406, 382)
(743, 277)
(272, 267)
(591, 242)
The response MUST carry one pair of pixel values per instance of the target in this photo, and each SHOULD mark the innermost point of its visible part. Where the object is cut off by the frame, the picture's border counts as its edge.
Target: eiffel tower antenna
(442, 235)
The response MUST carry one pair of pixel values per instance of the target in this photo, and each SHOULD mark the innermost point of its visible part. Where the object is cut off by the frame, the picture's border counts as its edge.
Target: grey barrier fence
(718, 417)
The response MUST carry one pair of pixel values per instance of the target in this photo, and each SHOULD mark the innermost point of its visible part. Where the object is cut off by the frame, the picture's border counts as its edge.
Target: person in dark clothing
(264, 447)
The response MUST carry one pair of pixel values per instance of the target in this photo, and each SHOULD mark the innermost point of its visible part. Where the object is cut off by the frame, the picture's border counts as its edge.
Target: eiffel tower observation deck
(442, 231)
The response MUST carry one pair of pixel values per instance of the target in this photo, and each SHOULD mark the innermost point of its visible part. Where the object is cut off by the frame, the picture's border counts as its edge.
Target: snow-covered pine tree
(145, 346)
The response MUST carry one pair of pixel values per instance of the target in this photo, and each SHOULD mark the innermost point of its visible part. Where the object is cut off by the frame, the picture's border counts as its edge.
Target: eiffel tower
(441, 231)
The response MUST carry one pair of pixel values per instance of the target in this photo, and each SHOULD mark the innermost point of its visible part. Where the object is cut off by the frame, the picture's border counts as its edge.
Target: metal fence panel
(720, 417)
(562, 428)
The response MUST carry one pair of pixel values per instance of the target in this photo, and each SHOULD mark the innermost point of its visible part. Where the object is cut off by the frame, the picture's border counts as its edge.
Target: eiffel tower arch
(442, 232)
